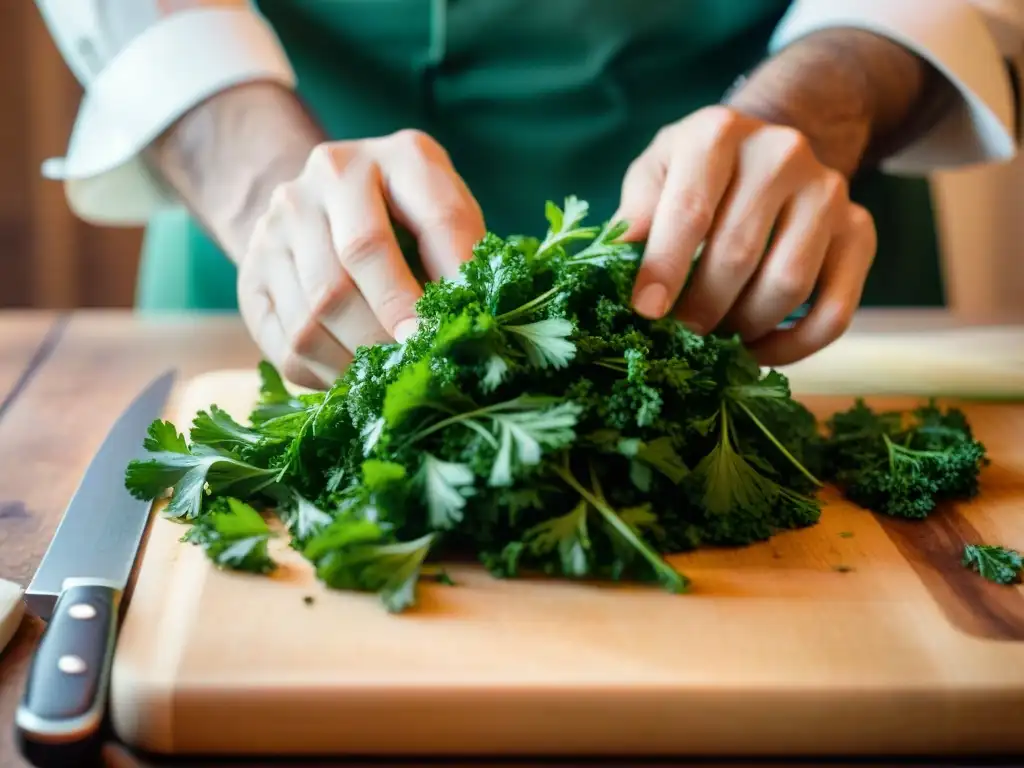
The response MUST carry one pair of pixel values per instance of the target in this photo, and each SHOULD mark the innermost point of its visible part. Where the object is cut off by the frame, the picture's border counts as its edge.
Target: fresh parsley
(536, 423)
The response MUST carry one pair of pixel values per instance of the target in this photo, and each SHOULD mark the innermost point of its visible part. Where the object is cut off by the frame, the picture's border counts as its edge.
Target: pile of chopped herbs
(536, 424)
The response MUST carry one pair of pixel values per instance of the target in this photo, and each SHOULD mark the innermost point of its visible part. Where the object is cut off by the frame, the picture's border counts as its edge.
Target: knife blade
(78, 588)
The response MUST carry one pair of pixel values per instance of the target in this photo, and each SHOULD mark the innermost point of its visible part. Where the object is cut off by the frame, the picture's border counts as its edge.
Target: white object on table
(916, 353)
(11, 609)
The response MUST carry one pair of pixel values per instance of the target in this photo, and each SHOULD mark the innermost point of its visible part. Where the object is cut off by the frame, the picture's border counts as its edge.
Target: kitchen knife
(78, 587)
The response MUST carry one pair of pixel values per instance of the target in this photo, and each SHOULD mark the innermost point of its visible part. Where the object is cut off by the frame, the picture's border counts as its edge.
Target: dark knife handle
(64, 703)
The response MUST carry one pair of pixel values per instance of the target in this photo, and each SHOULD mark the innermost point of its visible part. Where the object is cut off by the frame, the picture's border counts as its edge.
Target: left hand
(732, 182)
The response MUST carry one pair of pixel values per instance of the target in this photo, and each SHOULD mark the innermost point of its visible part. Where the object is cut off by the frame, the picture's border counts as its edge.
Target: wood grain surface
(865, 630)
(64, 379)
(49, 431)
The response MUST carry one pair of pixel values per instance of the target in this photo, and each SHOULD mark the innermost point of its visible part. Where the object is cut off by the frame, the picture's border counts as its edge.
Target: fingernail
(652, 301)
(405, 329)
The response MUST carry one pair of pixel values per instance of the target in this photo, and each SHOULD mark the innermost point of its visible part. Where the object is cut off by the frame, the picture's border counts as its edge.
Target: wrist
(854, 94)
(226, 156)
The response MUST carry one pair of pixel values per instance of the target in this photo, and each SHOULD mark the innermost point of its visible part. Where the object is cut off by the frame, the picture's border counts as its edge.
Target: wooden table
(64, 379)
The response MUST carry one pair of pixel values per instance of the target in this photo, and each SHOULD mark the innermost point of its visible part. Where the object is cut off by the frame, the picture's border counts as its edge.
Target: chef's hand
(731, 182)
(324, 274)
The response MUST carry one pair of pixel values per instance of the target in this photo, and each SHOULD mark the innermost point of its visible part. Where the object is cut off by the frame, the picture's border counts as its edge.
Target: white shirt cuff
(163, 73)
(955, 39)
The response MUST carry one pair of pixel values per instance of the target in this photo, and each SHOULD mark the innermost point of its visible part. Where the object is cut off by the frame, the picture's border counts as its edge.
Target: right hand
(323, 273)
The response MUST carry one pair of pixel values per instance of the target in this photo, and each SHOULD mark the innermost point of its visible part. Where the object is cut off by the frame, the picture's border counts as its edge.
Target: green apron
(534, 100)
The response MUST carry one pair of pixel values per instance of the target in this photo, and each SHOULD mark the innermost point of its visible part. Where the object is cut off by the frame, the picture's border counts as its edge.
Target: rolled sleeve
(964, 42)
(157, 77)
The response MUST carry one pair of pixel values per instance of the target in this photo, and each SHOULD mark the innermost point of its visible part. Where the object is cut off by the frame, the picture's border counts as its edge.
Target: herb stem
(669, 576)
(611, 366)
(466, 417)
(534, 303)
(802, 469)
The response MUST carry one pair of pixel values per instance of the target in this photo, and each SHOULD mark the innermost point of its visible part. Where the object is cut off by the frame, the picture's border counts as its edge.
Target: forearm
(225, 157)
(855, 95)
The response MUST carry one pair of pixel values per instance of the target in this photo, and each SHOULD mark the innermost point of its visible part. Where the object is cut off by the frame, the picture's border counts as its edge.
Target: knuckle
(861, 221)
(793, 284)
(392, 307)
(295, 371)
(722, 122)
(358, 251)
(450, 216)
(323, 156)
(793, 145)
(301, 338)
(692, 207)
(418, 141)
(330, 159)
(331, 295)
(740, 253)
(284, 199)
(665, 132)
(835, 189)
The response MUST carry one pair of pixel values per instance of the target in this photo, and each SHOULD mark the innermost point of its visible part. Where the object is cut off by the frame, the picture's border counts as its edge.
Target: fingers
(788, 273)
(365, 247)
(306, 343)
(330, 292)
(843, 275)
(431, 200)
(265, 327)
(683, 198)
(773, 164)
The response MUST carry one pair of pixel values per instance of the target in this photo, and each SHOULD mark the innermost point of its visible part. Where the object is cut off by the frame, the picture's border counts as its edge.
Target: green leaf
(392, 570)
(994, 563)
(410, 391)
(565, 224)
(445, 486)
(660, 454)
(217, 429)
(234, 536)
(303, 518)
(190, 474)
(378, 475)
(566, 535)
(496, 369)
(524, 435)
(162, 436)
(730, 483)
(546, 342)
(275, 399)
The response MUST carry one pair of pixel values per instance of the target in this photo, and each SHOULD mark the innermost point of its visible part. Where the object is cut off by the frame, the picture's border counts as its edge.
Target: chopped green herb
(903, 469)
(535, 423)
(995, 563)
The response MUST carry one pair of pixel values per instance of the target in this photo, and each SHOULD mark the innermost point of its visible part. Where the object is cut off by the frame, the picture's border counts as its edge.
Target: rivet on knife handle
(64, 701)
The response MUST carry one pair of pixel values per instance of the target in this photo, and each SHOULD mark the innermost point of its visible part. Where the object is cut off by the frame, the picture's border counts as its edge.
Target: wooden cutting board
(858, 635)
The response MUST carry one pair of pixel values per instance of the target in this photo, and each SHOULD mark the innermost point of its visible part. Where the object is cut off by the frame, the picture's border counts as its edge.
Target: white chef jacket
(145, 63)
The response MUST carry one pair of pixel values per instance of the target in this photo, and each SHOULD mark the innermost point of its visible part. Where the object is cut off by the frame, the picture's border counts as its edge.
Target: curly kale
(903, 469)
(535, 423)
